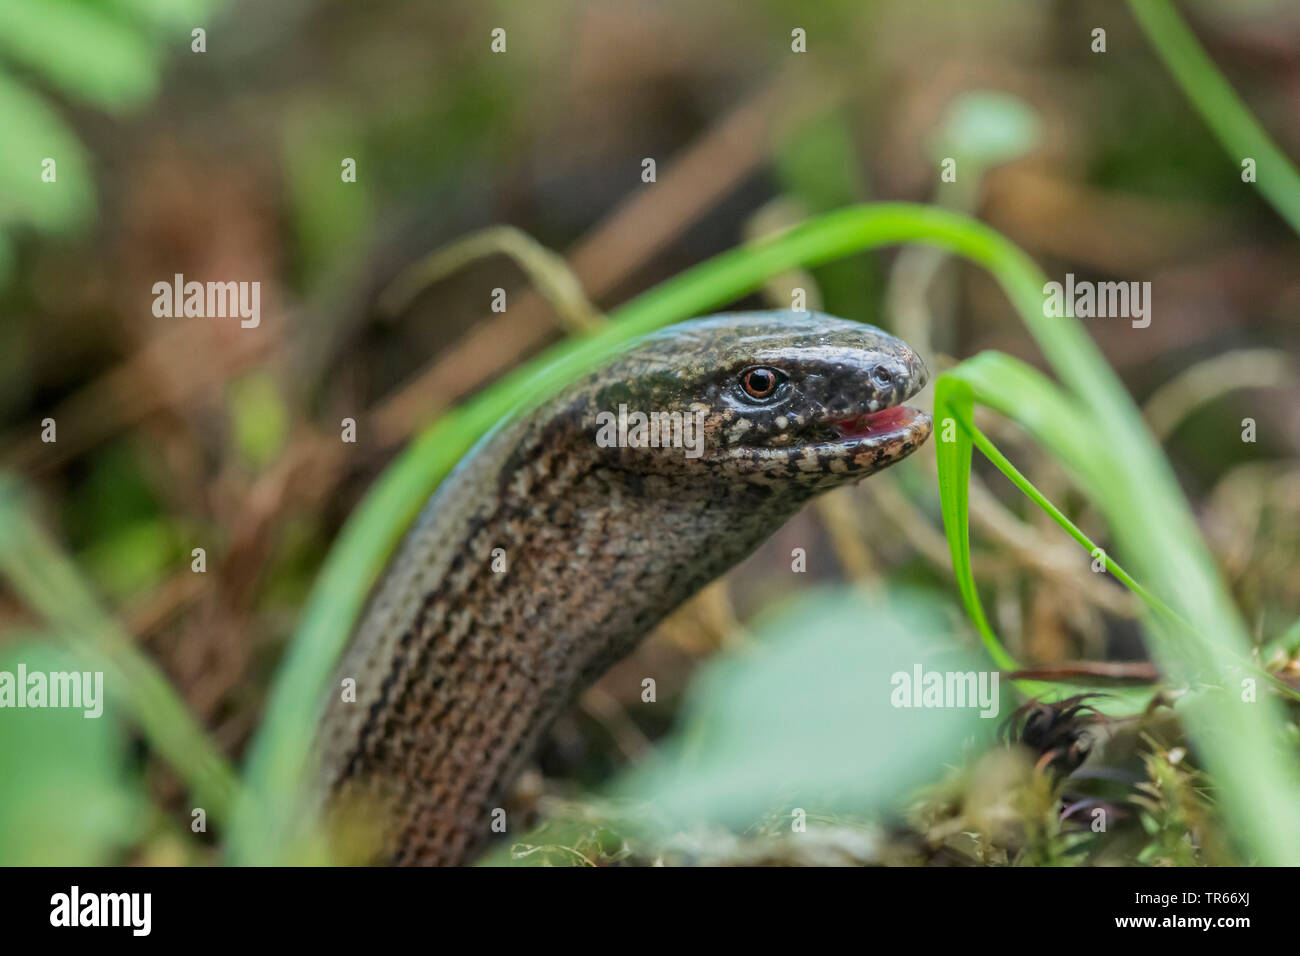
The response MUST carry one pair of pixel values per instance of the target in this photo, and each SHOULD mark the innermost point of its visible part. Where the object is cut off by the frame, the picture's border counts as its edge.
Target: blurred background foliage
(177, 434)
(746, 743)
(73, 793)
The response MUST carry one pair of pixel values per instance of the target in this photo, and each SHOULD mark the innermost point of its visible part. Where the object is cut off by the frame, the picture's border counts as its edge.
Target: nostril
(882, 376)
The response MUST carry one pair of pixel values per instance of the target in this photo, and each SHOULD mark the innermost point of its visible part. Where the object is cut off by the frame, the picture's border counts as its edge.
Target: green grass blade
(953, 401)
(1236, 129)
(961, 413)
(51, 585)
(1206, 660)
(956, 393)
(1026, 396)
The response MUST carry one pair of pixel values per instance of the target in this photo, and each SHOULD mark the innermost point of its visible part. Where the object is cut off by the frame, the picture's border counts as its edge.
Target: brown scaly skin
(460, 670)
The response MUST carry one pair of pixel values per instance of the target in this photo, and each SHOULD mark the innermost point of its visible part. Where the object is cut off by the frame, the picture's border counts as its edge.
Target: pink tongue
(864, 425)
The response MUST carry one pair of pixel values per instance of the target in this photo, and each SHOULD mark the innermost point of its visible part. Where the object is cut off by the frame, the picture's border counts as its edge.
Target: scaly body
(461, 664)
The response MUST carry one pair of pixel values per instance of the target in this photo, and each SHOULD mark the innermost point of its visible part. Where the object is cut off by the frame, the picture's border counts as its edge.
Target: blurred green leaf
(108, 54)
(330, 216)
(82, 49)
(808, 716)
(32, 133)
(986, 127)
(133, 558)
(169, 15)
(114, 495)
(819, 163)
(68, 799)
(259, 418)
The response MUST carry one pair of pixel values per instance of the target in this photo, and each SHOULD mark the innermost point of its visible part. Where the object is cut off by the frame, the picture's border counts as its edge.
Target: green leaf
(67, 798)
(330, 217)
(133, 558)
(33, 133)
(172, 19)
(810, 715)
(90, 54)
(259, 418)
(986, 128)
(953, 404)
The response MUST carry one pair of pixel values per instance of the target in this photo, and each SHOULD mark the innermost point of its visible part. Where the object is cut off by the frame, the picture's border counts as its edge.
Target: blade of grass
(1024, 395)
(955, 402)
(547, 270)
(50, 583)
(1033, 494)
(953, 455)
(1213, 97)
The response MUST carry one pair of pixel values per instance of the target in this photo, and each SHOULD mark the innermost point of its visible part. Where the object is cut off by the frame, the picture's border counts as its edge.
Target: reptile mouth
(890, 434)
(899, 418)
(859, 441)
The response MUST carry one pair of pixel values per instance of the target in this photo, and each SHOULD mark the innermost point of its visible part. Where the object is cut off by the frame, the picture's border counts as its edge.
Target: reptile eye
(761, 382)
(882, 376)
